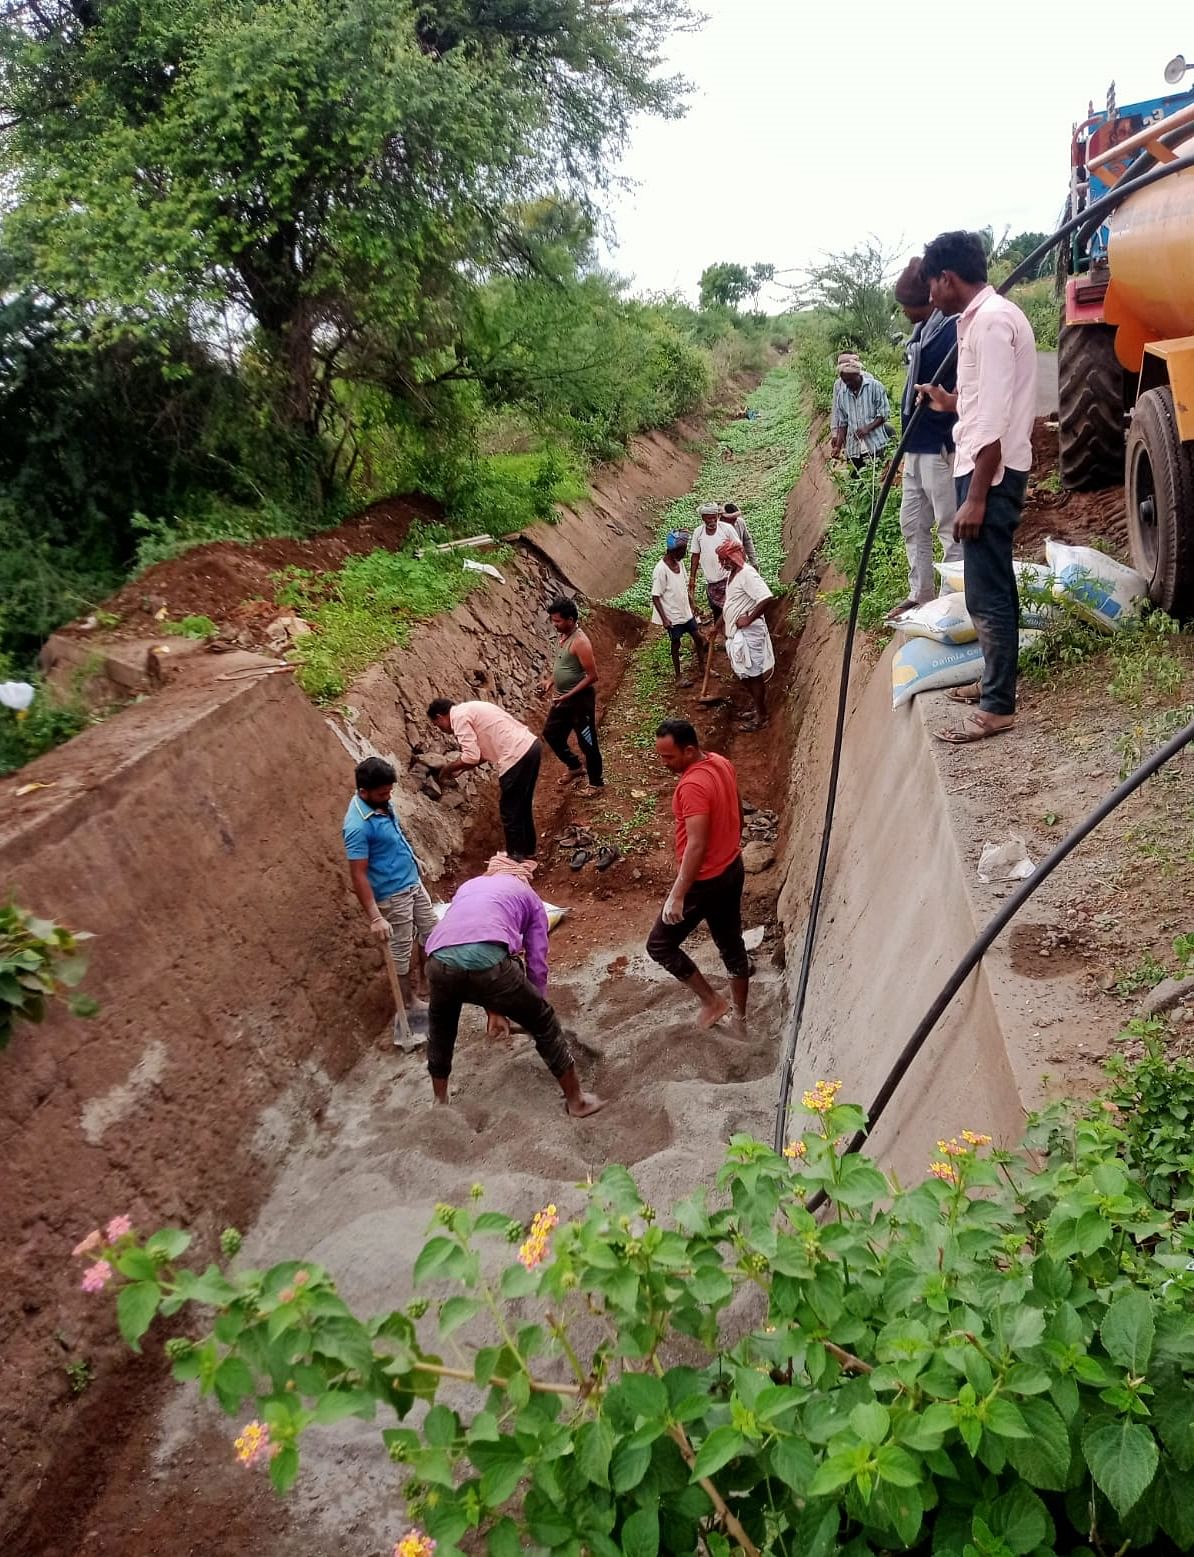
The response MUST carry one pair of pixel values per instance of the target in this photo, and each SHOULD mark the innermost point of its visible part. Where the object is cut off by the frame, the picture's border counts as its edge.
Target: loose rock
(757, 857)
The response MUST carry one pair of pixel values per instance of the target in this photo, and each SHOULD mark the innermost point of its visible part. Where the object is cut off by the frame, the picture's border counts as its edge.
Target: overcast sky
(812, 125)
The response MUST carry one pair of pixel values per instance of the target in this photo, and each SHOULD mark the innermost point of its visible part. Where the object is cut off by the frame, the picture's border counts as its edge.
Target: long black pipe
(1026, 267)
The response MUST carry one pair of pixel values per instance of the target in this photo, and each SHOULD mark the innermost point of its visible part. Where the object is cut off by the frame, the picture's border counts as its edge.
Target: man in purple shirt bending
(471, 961)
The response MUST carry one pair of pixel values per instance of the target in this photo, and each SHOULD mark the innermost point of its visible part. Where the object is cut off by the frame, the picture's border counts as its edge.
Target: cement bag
(945, 619)
(554, 914)
(952, 576)
(1038, 577)
(923, 665)
(1099, 588)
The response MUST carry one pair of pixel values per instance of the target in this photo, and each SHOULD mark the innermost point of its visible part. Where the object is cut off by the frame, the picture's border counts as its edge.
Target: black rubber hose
(1027, 266)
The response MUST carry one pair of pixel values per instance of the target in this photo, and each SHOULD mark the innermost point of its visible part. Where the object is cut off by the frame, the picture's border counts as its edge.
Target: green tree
(852, 287)
(724, 285)
(320, 183)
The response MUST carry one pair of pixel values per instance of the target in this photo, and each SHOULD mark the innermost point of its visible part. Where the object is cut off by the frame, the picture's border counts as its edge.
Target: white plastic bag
(923, 665)
(945, 619)
(17, 695)
(470, 566)
(1100, 589)
(1009, 861)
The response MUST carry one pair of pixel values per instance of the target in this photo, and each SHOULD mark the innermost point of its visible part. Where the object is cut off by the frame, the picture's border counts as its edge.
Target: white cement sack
(923, 665)
(952, 576)
(945, 619)
(554, 914)
(1100, 589)
(1037, 577)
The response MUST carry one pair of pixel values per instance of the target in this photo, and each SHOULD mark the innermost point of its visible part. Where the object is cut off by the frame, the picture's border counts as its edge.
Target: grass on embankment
(769, 454)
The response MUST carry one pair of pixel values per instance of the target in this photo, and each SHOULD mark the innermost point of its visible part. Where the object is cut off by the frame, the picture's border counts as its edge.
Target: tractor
(1125, 355)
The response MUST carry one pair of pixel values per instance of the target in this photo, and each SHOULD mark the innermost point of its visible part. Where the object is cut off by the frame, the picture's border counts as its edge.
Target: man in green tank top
(573, 688)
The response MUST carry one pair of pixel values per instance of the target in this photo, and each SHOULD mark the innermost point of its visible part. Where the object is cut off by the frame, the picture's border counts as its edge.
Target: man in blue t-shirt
(385, 877)
(929, 500)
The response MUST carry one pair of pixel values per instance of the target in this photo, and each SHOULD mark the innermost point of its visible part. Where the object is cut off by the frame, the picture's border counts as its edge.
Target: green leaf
(1022, 1327)
(455, 1312)
(594, 1447)
(136, 1305)
(283, 1468)
(1172, 1498)
(337, 1404)
(1043, 1458)
(499, 1481)
(640, 1534)
(1005, 1419)
(518, 1282)
(168, 1243)
(1127, 1331)
(433, 1256)
(1174, 1416)
(1020, 1520)
(897, 1466)
(493, 1222)
(233, 1381)
(504, 1540)
(1023, 1378)
(871, 1422)
(792, 1461)
(136, 1265)
(639, 1394)
(860, 1183)
(1122, 1457)
(440, 1427)
(629, 1466)
(833, 1473)
(722, 1444)
(711, 1286)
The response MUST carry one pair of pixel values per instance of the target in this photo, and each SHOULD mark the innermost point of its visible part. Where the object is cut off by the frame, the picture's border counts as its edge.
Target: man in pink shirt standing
(486, 733)
(995, 404)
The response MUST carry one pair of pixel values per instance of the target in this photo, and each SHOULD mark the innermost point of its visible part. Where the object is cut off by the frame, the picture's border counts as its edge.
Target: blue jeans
(991, 595)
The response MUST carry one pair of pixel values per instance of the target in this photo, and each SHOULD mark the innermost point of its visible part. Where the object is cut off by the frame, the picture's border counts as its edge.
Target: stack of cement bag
(942, 648)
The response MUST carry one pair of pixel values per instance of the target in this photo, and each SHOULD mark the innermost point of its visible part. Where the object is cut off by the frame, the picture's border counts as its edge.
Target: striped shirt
(852, 411)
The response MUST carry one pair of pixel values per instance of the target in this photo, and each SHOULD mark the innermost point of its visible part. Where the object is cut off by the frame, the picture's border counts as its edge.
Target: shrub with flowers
(996, 1362)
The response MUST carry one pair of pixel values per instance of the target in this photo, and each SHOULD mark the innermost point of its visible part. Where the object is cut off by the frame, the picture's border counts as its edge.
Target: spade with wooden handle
(396, 991)
(704, 697)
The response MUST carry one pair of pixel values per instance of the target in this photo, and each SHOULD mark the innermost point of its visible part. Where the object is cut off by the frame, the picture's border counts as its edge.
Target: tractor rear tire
(1160, 498)
(1090, 402)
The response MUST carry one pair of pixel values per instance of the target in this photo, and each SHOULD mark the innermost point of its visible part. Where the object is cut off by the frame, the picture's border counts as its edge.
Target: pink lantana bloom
(117, 1227)
(92, 1241)
(96, 1277)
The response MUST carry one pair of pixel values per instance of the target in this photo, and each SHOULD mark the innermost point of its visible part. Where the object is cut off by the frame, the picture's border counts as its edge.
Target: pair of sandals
(975, 726)
(605, 857)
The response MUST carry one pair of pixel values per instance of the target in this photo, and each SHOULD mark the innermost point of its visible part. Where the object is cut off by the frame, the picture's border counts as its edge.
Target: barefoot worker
(671, 602)
(472, 960)
(385, 878)
(573, 684)
(748, 640)
(486, 733)
(708, 814)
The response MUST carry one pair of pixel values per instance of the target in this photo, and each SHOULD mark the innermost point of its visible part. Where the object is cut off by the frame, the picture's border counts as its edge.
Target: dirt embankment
(197, 833)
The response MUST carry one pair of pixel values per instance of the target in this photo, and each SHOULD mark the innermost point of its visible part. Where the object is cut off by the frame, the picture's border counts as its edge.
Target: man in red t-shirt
(708, 812)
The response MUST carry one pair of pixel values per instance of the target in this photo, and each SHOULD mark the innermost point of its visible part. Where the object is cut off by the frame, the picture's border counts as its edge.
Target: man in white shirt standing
(708, 536)
(748, 641)
(671, 603)
(995, 403)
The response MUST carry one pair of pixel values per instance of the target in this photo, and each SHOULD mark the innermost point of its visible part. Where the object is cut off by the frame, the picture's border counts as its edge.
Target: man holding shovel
(385, 878)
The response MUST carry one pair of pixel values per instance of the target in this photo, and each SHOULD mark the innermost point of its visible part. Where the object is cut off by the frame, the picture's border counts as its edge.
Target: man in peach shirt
(995, 403)
(486, 733)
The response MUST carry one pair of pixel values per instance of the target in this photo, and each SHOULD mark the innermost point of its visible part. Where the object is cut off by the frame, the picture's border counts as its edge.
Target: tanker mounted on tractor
(1126, 348)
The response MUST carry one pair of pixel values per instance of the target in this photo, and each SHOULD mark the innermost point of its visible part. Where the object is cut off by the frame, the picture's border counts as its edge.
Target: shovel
(396, 991)
(716, 696)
